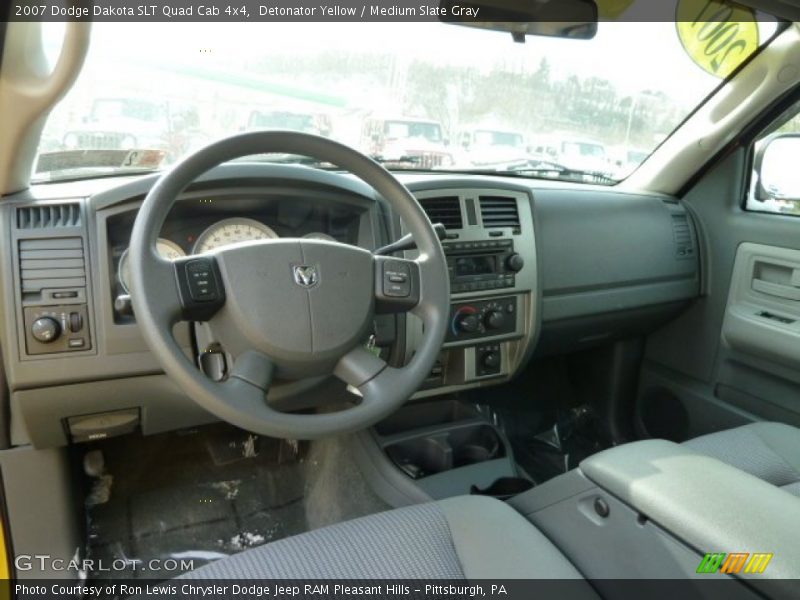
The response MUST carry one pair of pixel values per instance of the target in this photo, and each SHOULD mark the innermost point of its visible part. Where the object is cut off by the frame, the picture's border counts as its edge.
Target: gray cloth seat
(464, 537)
(770, 451)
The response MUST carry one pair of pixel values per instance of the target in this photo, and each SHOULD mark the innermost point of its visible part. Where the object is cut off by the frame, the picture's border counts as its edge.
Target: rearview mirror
(575, 19)
(776, 168)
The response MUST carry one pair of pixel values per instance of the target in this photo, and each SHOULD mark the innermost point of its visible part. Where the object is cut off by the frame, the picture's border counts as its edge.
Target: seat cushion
(770, 451)
(465, 537)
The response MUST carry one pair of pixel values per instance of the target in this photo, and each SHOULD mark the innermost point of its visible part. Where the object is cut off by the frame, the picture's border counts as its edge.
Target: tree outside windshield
(413, 95)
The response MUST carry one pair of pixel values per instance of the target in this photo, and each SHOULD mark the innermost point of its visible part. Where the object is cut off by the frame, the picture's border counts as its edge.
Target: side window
(775, 181)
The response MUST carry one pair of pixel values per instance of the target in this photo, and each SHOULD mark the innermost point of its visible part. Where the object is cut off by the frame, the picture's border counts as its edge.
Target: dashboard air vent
(681, 232)
(445, 210)
(47, 216)
(51, 263)
(499, 211)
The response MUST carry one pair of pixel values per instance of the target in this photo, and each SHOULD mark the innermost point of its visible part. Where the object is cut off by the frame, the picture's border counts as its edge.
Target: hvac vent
(499, 211)
(445, 210)
(48, 216)
(681, 232)
(51, 263)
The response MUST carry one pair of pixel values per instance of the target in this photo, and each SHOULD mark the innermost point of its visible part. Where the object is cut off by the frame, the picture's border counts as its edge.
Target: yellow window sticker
(718, 36)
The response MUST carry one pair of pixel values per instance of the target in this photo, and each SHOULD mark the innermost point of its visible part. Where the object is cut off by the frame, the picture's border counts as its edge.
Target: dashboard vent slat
(499, 211)
(682, 234)
(49, 216)
(51, 263)
(445, 210)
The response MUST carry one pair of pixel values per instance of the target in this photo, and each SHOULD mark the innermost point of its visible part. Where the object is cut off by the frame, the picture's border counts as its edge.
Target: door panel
(762, 318)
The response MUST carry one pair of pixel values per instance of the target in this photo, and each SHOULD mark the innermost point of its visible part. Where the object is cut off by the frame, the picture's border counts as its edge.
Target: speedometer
(232, 231)
(166, 249)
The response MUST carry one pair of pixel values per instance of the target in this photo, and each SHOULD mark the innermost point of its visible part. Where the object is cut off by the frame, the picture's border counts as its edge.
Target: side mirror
(776, 168)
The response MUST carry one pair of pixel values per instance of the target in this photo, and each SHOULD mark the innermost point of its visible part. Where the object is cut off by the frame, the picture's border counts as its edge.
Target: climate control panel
(482, 318)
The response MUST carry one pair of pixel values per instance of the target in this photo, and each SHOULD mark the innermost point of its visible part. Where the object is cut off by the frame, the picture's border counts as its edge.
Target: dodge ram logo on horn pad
(305, 275)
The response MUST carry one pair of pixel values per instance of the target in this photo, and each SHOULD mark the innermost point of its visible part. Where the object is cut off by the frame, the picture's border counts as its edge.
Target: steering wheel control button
(200, 276)
(200, 287)
(396, 279)
(45, 330)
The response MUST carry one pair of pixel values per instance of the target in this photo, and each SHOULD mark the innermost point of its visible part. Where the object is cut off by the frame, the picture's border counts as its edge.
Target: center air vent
(49, 216)
(499, 211)
(445, 210)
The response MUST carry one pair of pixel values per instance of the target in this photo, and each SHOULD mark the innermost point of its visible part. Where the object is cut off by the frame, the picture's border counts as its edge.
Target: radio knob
(494, 319)
(469, 323)
(515, 262)
(45, 330)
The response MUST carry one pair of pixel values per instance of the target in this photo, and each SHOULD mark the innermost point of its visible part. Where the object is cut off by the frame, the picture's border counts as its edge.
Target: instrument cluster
(224, 232)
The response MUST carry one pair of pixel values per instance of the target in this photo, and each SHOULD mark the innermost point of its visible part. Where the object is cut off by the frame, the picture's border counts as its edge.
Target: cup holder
(437, 452)
(475, 444)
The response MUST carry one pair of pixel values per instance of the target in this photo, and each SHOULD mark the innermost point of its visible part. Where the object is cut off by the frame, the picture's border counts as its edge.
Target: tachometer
(232, 231)
(166, 249)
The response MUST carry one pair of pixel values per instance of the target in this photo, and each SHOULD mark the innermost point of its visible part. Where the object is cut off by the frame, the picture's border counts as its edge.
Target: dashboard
(535, 268)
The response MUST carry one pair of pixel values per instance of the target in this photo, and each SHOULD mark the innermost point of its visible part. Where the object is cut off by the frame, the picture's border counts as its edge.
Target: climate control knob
(494, 319)
(515, 262)
(45, 330)
(469, 323)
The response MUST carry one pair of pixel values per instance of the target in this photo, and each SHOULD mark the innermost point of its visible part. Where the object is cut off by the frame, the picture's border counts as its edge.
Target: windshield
(409, 105)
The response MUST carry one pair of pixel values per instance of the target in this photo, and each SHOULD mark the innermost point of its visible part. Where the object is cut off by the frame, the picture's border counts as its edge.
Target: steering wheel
(293, 308)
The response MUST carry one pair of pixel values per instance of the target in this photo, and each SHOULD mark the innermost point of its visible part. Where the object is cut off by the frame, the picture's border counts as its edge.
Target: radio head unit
(484, 265)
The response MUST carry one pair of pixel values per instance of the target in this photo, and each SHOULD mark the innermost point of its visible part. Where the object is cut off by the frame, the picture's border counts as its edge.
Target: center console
(490, 249)
(657, 509)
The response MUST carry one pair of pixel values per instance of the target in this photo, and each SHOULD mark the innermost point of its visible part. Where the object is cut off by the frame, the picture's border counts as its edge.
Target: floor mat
(209, 493)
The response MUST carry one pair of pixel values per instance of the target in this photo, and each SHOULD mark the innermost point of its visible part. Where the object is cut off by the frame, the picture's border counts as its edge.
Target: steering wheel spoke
(253, 368)
(397, 284)
(358, 366)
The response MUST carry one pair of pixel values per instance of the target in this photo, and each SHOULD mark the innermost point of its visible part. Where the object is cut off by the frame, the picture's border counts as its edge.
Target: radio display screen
(475, 265)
